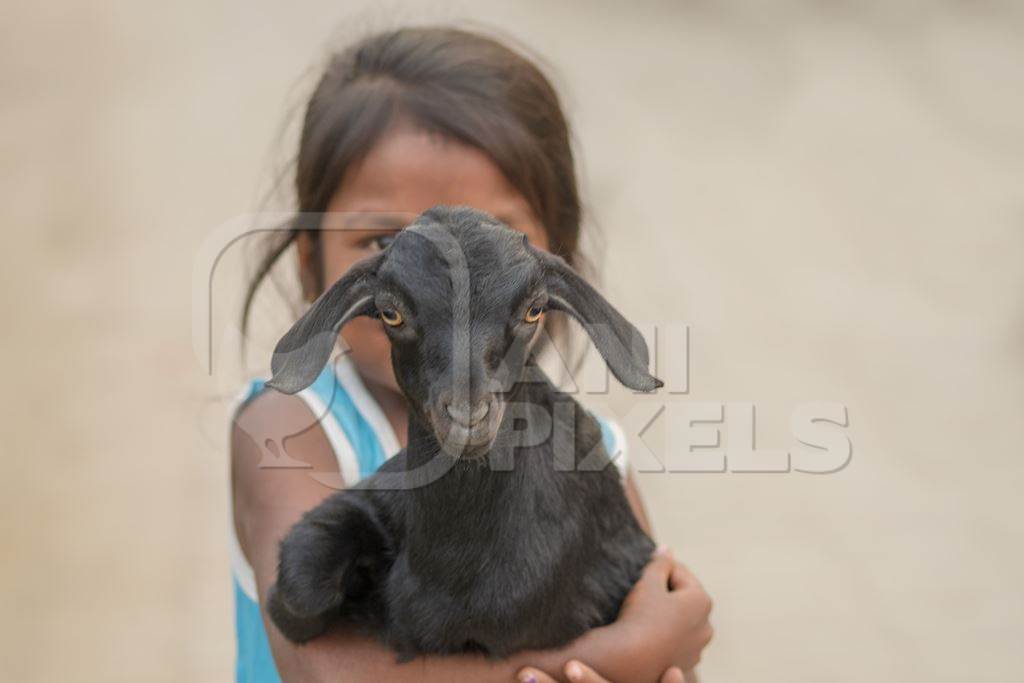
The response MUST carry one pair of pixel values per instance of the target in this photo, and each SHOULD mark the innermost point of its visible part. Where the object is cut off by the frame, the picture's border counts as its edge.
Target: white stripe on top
(345, 370)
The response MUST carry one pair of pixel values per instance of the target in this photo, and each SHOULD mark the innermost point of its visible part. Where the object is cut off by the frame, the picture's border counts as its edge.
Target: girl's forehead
(413, 170)
(410, 170)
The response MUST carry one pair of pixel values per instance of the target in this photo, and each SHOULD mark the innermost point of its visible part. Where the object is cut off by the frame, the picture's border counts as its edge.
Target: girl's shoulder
(263, 420)
(336, 405)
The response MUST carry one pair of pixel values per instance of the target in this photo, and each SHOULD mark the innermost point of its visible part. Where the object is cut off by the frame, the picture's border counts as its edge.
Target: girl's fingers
(575, 671)
(659, 569)
(531, 675)
(578, 672)
(692, 597)
(681, 577)
(673, 675)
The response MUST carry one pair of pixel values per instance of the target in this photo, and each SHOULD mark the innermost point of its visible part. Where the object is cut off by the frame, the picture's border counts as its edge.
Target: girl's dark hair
(451, 81)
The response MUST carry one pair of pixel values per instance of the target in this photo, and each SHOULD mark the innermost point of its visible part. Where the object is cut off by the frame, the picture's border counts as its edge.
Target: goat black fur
(512, 532)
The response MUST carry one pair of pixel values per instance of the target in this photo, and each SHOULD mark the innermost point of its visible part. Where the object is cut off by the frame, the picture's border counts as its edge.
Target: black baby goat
(502, 526)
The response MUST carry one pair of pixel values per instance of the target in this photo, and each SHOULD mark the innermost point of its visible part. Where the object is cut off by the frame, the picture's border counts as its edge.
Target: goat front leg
(331, 564)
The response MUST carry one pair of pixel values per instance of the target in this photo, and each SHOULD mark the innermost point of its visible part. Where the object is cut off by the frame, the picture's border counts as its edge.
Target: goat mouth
(467, 440)
(462, 440)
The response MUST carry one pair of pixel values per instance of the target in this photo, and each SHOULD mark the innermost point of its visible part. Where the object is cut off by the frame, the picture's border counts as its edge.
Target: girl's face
(408, 171)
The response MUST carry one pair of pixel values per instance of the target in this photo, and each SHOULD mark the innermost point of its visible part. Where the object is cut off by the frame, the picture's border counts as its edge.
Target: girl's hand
(663, 625)
(668, 609)
(578, 672)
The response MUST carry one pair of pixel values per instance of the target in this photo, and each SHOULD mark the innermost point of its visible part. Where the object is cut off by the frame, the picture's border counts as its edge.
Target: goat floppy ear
(303, 351)
(620, 343)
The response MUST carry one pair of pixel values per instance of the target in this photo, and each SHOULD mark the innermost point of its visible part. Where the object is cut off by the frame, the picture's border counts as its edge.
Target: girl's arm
(655, 629)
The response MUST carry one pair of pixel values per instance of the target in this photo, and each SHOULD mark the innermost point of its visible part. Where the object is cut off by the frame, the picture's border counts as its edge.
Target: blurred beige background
(830, 194)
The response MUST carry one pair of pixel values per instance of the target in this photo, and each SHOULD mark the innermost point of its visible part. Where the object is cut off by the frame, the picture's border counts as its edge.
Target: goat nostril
(468, 415)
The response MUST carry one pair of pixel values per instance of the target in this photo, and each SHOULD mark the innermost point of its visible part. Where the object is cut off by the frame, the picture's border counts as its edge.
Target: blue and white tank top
(362, 439)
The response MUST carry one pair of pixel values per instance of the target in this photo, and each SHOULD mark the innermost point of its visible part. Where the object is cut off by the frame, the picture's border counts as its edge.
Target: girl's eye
(391, 317)
(382, 242)
(533, 314)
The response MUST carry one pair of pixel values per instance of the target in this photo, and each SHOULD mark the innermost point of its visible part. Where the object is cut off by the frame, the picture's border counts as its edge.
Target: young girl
(398, 123)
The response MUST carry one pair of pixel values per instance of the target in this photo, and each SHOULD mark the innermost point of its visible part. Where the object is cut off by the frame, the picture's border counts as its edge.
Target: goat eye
(391, 317)
(533, 314)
